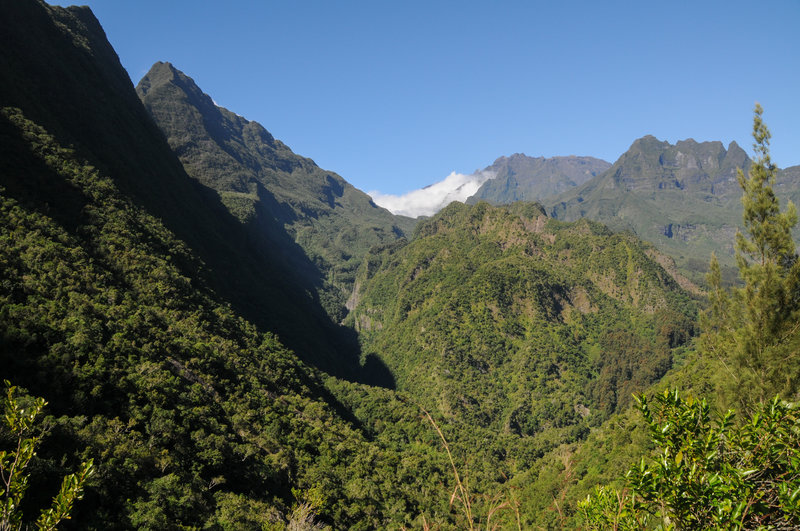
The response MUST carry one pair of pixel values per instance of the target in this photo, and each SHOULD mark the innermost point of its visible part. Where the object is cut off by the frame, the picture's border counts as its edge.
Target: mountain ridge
(171, 312)
(129, 319)
(263, 183)
(684, 198)
(49, 77)
(480, 288)
(519, 177)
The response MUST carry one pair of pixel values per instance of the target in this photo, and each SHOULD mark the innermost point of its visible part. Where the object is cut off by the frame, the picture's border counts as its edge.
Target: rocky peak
(651, 164)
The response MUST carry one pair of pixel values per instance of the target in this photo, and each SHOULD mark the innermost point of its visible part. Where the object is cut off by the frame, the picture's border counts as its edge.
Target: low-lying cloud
(429, 200)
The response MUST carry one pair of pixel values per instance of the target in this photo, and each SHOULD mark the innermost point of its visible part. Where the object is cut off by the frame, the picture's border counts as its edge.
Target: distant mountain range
(684, 198)
(523, 178)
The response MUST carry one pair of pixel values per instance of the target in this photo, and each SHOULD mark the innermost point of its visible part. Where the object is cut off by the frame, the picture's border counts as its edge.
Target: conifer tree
(753, 330)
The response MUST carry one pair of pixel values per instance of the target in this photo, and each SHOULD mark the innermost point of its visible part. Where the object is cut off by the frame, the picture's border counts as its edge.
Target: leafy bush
(708, 473)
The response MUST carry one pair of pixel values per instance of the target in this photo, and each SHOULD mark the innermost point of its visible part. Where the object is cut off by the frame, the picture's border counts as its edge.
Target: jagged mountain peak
(161, 73)
(684, 197)
(647, 141)
(166, 83)
(652, 164)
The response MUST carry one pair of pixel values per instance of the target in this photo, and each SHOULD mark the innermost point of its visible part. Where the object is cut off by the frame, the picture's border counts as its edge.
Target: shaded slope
(58, 67)
(262, 181)
(523, 178)
(109, 310)
(192, 417)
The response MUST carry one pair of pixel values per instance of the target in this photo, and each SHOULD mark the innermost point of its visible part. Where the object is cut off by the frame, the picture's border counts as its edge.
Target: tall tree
(753, 330)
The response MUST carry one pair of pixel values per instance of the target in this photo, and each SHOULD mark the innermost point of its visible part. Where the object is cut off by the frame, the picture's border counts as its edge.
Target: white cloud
(429, 200)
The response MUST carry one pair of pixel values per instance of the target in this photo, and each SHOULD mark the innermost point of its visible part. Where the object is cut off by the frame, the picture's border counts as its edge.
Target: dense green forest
(490, 310)
(201, 329)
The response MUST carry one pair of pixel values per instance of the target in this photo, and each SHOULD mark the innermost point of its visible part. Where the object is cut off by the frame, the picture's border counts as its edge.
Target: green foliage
(82, 96)
(70, 491)
(503, 318)
(123, 287)
(608, 508)
(753, 330)
(708, 473)
(519, 333)
(19, 415)
(714, 472)
(126, 287)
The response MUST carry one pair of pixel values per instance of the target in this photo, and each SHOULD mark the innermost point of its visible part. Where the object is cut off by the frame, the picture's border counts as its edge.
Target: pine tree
(753, 330)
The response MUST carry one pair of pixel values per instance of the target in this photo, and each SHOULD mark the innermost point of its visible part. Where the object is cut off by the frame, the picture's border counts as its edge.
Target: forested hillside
(121, 285)
(66, 78)
(503, 318)
(525, 332)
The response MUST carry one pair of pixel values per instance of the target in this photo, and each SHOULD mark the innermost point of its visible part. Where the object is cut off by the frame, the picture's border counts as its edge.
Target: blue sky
(394, 96)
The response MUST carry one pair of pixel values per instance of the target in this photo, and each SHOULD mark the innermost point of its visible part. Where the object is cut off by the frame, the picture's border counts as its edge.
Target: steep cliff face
(60, 70)
(651, 165)
(123, 292)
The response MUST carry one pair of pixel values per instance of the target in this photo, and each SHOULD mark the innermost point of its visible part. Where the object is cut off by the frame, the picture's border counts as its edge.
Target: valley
(239, 339)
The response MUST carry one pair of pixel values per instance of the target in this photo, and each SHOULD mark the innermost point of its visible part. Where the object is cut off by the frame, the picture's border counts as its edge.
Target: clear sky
(397, 95)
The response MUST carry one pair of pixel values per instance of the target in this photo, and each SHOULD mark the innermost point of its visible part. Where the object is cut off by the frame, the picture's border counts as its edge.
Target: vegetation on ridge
(521, 331)
(489, 310)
